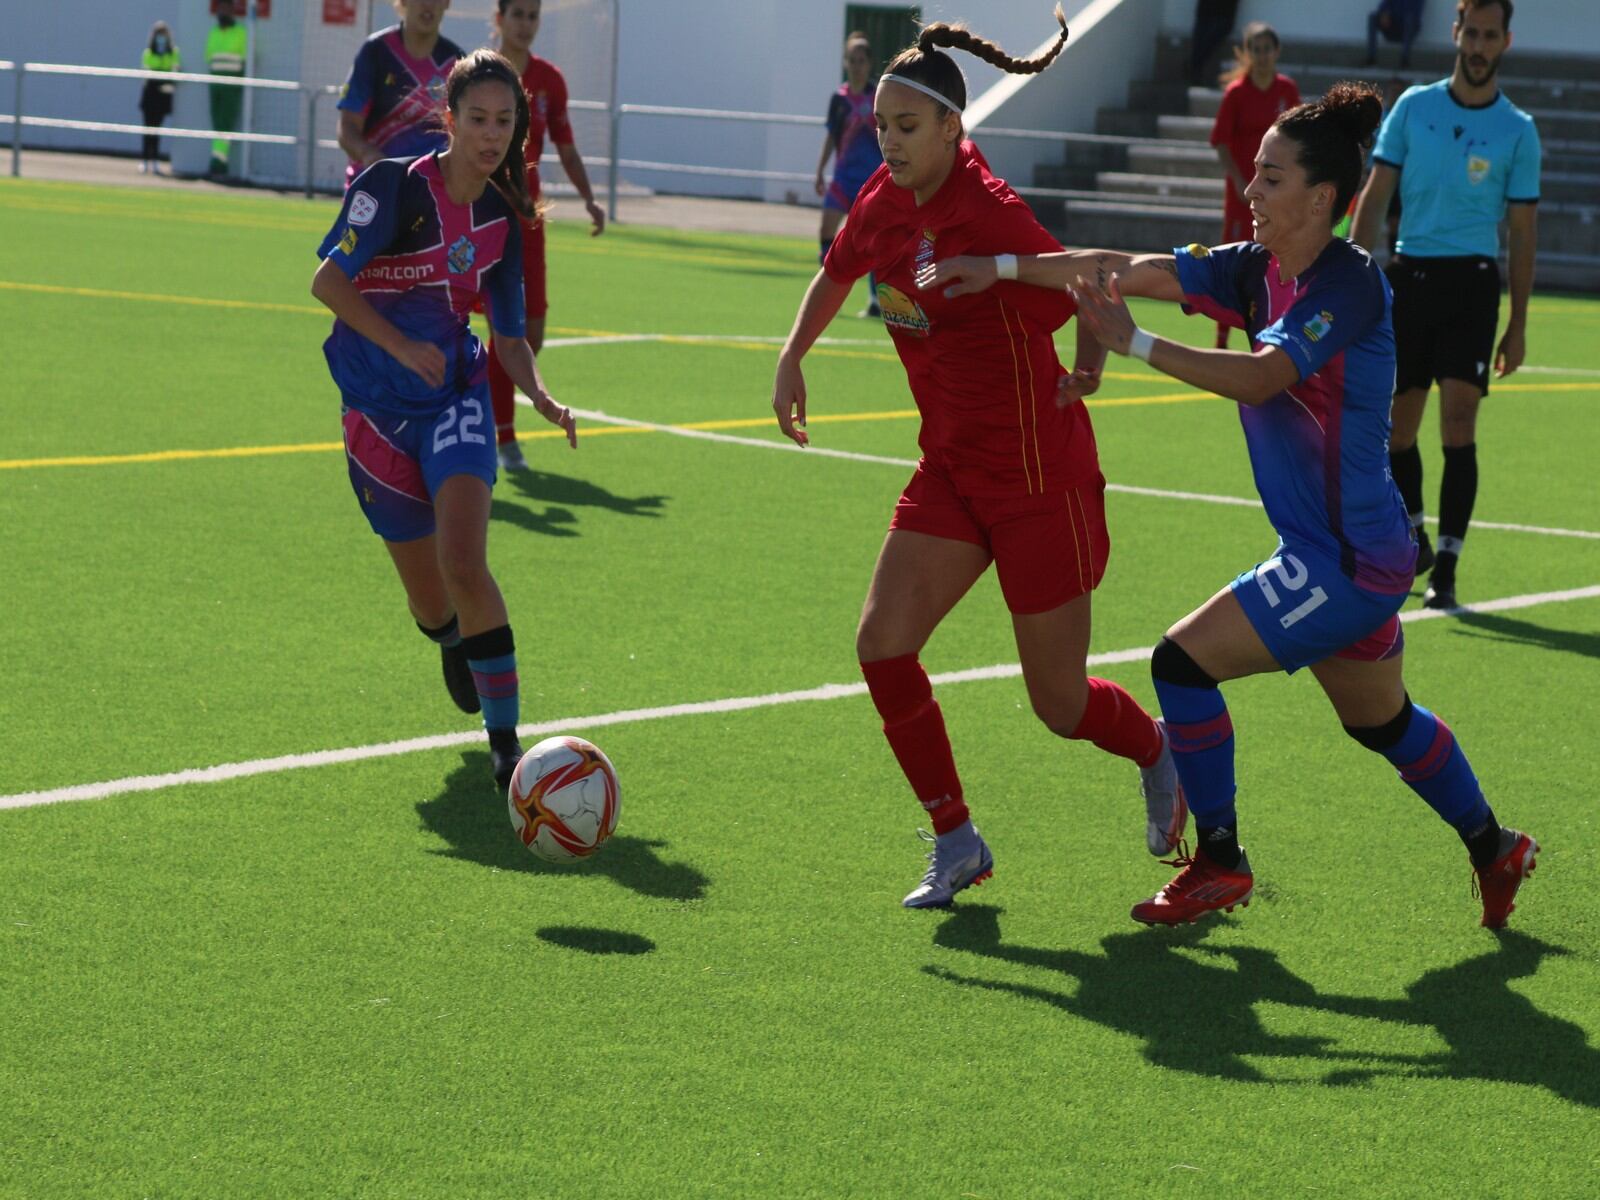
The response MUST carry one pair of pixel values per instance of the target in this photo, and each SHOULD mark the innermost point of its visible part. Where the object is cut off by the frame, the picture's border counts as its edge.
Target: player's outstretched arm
(1154, 276)
(1249, 378)
(572, 164)
(516, 356)
(335, 289)
(824, 298)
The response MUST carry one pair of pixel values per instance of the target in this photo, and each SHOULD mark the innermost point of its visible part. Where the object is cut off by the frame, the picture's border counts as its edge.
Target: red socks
(1114, 721)
(915, 728)
(503, 395)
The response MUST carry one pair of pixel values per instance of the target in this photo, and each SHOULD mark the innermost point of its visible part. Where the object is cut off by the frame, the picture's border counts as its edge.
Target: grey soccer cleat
(1166, 812)
(959, 859)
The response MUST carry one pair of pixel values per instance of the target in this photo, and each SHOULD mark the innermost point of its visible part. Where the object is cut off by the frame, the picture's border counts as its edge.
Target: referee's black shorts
(1446, 311)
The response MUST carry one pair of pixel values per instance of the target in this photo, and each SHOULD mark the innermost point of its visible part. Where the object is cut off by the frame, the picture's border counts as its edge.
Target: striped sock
(447, 635)
(1433, 765)
(1201, 733)
(493, 658)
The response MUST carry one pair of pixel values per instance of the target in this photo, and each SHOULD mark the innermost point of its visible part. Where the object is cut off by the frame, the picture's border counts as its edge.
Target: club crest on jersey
(461, 255)
(1477, 169)
(925, 249)
(1317, 328)
(436, 89)
(541, 104)
(901, 312)
(362, 209)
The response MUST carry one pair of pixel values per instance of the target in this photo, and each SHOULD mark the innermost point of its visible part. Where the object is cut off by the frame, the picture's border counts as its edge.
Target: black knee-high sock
(1406, 467)
(1458, 490)
(827, 244)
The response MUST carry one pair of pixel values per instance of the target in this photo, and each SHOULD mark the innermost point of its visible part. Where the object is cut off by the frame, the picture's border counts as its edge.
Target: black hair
(510, 178)
(1463, 5)
(926, 64)
(1333, 135)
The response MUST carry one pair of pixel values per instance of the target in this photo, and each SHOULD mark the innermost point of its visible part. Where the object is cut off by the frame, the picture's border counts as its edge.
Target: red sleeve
(557, 124)
(1222, 127)
(1013, 229)
(850, 256)
(1294, 92)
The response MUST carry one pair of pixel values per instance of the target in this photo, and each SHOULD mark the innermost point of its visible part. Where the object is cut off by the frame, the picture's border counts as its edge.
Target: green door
(889, 29)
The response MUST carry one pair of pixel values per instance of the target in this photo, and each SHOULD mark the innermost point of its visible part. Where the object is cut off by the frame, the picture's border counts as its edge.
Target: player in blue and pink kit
(1314, 402)
(418, 242)
(391, 104)
(852, 143)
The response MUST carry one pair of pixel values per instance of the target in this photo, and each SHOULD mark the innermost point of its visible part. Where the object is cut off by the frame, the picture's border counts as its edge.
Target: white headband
(923, 88)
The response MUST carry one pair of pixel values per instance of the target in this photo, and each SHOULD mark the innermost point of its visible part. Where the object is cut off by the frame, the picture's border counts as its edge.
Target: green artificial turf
(351, 980)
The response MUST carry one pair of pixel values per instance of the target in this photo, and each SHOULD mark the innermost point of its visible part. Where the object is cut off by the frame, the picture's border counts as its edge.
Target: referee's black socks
(1457, 492)
(1406, 467)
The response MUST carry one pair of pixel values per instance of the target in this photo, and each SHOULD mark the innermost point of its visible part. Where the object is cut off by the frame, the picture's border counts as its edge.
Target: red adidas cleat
(1201, 887)
(1497, 883)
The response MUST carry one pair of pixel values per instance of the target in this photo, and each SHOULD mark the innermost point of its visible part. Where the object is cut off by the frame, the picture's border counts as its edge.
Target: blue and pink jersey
(400, 98)
(855, 138)
(1319, 449)
(423, 261)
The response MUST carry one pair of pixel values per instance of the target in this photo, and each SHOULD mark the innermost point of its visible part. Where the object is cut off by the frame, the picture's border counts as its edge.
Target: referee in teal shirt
(1463, 157)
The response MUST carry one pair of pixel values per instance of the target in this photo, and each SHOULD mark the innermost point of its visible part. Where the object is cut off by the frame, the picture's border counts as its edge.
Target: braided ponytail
(926, 64)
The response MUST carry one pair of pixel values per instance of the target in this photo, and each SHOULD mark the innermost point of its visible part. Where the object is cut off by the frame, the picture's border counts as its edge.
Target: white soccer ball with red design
(564, 799)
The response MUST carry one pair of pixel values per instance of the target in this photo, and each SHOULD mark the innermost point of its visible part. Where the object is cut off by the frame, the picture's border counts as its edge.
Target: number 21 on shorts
(1292, 576)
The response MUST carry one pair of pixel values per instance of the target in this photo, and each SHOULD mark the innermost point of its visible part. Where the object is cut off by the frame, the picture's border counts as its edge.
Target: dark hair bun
(1357, 107)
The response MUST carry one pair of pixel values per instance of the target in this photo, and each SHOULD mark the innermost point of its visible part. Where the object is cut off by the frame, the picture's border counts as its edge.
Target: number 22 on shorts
(443, 433)
(1292, 576)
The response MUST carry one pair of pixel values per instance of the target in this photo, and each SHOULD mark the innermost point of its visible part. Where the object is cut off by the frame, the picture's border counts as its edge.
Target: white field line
(1580, 372)
(1127, 489)
(828, 691)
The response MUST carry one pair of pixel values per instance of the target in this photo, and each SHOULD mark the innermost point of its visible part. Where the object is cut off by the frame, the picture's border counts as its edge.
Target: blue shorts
(841, 193)
(397, 464)
(1306, 609)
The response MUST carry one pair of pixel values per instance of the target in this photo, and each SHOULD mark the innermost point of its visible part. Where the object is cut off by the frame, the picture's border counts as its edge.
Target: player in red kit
(1009, 472)
(1255, 97)
(518, 21)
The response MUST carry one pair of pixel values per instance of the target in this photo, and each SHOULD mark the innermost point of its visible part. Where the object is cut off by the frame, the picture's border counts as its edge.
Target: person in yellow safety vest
(155, 101)
(227, 45)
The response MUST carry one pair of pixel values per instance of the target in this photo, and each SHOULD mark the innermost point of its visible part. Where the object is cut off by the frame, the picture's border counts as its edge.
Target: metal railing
(614, 162)
(18, 118)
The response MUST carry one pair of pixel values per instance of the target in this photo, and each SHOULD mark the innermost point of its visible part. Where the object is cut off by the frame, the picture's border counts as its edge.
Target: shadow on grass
(471, 816)
(1198, 1016)
(541, 502)
(1526, 633)
(595, 941)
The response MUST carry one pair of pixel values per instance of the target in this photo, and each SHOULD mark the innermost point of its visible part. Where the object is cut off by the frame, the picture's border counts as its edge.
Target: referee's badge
(1477, 169)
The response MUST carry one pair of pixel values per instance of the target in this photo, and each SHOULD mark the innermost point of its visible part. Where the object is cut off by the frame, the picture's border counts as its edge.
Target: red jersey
(547, 112)
(1243, 118)
(982, 368)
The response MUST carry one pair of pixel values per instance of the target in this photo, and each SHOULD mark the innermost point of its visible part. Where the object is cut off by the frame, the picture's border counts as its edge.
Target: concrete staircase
(1151, 196)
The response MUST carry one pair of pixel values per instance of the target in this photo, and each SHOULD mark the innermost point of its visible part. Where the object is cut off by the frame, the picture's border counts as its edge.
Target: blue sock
(1434, 766)
(1201, 733)
(493, 659)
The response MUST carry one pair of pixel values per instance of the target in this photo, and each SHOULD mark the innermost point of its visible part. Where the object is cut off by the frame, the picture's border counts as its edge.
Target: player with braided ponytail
(1313, 394)
(1008, 474)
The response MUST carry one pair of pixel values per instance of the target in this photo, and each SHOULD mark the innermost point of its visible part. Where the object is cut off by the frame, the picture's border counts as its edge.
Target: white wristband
(1141, 344)
(1005, 266)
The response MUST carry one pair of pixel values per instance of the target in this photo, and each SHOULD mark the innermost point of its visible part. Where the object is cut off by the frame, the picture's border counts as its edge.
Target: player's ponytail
(925, 62)
(510, 178)
(1333, 134)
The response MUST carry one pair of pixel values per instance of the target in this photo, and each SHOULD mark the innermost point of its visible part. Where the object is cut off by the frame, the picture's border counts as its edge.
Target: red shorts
(1046, 549)
(533, 269)
(1236, 223)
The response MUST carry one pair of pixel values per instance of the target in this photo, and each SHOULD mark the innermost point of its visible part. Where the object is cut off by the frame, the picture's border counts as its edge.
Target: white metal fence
(312, 100)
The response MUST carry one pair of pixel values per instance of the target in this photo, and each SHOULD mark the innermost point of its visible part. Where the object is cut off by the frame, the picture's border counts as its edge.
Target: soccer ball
(564, 799)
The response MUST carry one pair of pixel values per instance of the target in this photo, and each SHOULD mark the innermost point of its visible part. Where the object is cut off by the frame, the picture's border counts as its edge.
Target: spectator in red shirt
(1009, 472)
(518, 22)
(1255, 96)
